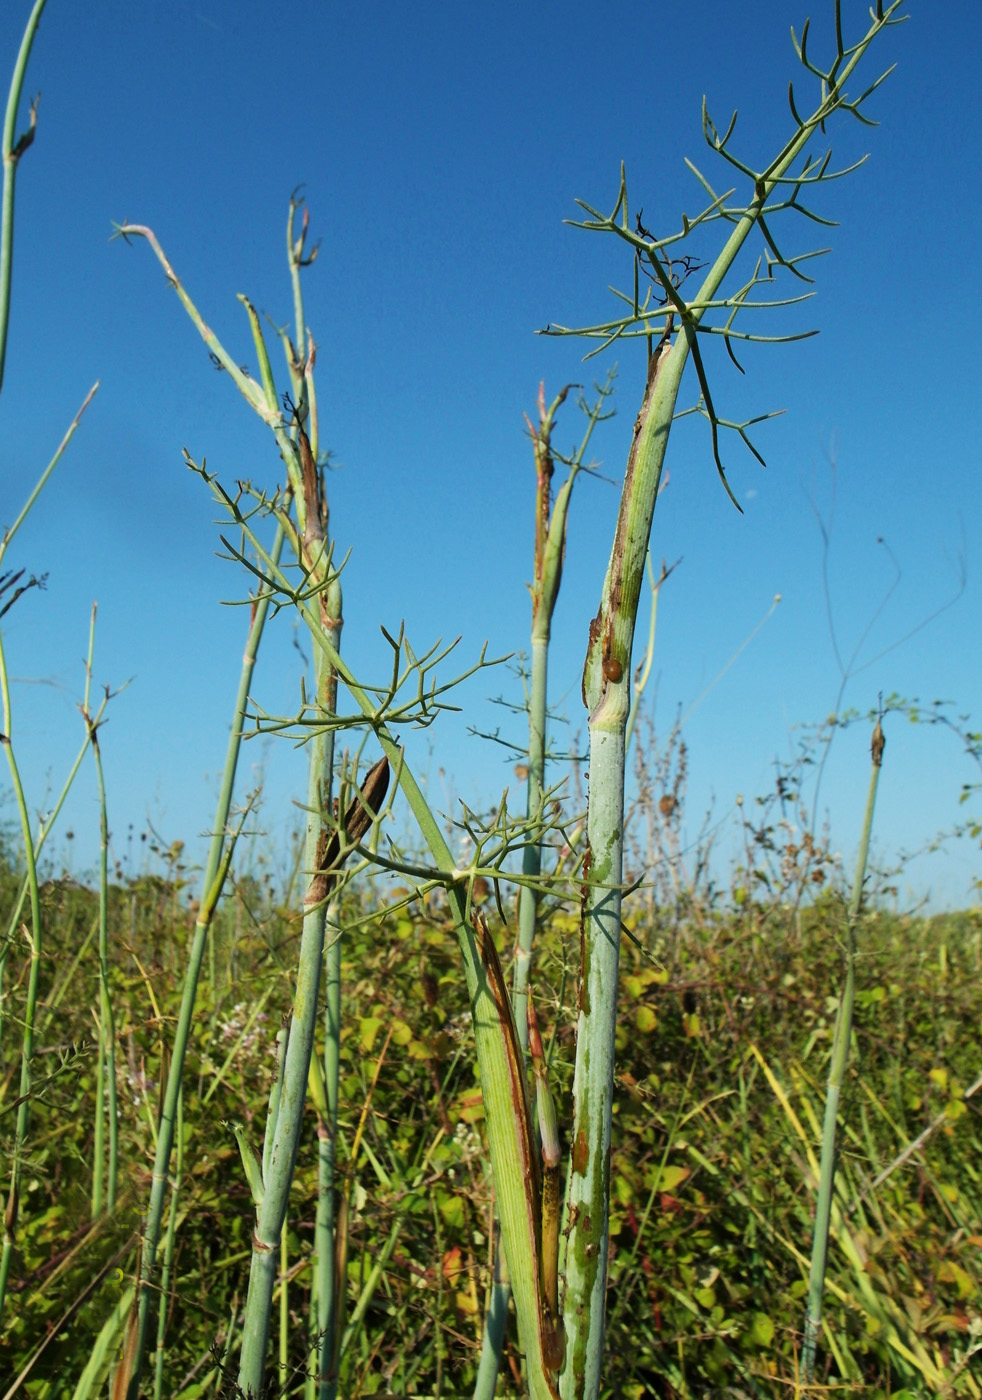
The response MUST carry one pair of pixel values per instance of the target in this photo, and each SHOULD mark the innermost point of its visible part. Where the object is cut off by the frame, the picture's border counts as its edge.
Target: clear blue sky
(441, 147)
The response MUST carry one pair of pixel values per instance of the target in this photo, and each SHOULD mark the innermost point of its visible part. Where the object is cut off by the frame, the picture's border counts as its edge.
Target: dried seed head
(878, 745)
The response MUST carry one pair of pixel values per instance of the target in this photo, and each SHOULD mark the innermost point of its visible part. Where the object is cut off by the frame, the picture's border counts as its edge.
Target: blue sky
(440, 148)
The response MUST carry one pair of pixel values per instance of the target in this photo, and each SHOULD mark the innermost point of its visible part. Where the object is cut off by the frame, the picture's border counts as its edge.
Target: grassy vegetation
(202, 1160)
(723, 1046)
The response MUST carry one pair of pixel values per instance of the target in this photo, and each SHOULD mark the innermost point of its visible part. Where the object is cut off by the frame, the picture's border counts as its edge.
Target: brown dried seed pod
(878, 745)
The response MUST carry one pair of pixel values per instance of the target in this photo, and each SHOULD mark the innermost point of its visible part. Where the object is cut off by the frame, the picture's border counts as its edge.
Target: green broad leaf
(452, 1210)
(369, 1027)
(950, 1272)
(760, 1333)
(671, 1177)
(646, 1020)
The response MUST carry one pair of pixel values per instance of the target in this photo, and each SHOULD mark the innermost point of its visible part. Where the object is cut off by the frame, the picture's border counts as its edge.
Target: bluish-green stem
(605, 691)
(326, 1244)
(837, 1071)
(312, 521)
(550, 547)
(501, 1078)
(170, 1248)
(296, 1069)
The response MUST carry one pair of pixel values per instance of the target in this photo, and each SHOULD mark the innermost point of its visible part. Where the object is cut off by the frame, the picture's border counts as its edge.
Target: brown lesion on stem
(581, 1153)
(603, 652)
(582, 991)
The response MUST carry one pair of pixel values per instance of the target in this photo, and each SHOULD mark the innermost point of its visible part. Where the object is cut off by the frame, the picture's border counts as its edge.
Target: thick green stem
(550, 547)
(528, 896)
(605, 683)
(296, 1069)
(326, 1243)
(511, 1149)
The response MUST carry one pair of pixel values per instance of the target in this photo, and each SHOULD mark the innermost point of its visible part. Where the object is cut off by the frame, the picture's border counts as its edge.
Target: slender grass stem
(216, 867)
(33, 937)
(13, 148)
(107, 1107)
(837, 1070)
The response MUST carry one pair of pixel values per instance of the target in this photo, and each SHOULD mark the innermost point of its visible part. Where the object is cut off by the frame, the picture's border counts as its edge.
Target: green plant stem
(605, 691)
(326, 1243)
(837, 1071)
(44, 829)
(284, 1319)
(219, 856)
(107, 1107)
(32, 845)
(550, 547)
(508, 1123)
(315, 557)
(296, 1069)
(33, 935)
(13, 148)
(644, 669)
(170, 1252)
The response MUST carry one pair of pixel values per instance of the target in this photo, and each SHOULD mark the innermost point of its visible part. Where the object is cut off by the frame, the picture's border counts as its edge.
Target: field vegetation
(727, 1011)
(511, 1102)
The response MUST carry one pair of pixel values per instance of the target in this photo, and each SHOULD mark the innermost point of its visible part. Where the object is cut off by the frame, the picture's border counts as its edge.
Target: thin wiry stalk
(32, 842)
(32, 936)
(13, 148)
(837, 1070)
(216, 868)
(106, 1105)
(643, 670)
(44, 828)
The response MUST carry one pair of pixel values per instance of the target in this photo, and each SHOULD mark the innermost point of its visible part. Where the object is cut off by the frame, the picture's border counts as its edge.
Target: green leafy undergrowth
(724, 1035)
